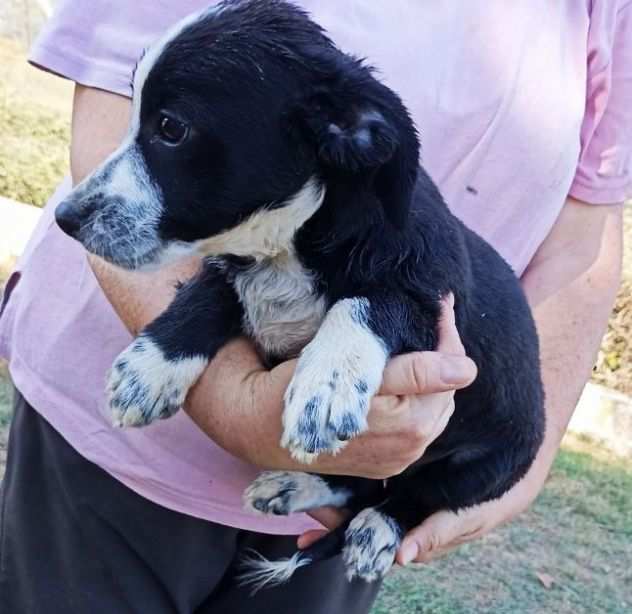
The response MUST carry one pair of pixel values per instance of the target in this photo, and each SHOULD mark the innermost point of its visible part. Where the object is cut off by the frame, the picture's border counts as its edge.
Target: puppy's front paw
(371, 542)
(286, 492)
(325, 406)
(144, 386)
(337, 373)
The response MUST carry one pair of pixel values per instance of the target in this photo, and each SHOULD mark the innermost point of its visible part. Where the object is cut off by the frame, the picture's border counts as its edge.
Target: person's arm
(237, 402)
(571, 285)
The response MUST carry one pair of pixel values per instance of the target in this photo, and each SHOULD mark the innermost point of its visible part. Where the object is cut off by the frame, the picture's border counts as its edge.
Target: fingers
(437, 420)
(330, 517)
(427, 372)
(309, 537)
(435, 537)
(439, 534)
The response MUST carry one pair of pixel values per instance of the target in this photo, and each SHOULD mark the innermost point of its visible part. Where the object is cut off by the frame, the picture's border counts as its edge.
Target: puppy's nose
(68, 216)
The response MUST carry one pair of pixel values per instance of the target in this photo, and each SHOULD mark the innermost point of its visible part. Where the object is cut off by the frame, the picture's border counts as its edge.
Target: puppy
(255, 142)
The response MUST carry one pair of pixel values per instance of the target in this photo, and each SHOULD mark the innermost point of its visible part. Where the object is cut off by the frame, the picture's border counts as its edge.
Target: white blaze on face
(122, 209)
(155, 51)
(124, 225)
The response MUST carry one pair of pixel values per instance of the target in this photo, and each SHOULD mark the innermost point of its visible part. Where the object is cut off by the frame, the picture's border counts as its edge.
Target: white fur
(154, 52)
(371, 542)
(267, 233)
(286, 492)
(144, 386)
(337, 374)
(282, 311)
(125, 231)
(259, 572)
(123, 228)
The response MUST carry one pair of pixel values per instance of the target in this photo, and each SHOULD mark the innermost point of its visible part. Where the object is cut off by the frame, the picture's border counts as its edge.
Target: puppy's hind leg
(150, 379)
(287, 492)
(373, 537)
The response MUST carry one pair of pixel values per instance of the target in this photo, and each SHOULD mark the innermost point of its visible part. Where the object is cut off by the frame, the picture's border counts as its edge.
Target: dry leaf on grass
(546, 580)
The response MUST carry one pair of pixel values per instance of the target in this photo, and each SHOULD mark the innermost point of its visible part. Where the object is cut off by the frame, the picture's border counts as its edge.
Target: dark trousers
(73, 540)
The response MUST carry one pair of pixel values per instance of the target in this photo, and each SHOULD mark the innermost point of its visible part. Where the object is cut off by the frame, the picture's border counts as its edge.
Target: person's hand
(444, 531)
(243, 404)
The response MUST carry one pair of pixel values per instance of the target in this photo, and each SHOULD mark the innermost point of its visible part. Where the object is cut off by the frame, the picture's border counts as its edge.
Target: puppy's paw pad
(371, 542)
(323, 410)
(144, 386)
(338, 371)
(286, 492)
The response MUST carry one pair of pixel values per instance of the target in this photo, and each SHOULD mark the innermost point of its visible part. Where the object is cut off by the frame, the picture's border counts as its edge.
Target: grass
(578, 533)
(35, 135)
(5, 413)
(5, 397)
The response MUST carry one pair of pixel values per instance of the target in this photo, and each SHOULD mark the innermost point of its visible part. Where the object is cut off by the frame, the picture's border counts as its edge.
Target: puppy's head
(243, 116)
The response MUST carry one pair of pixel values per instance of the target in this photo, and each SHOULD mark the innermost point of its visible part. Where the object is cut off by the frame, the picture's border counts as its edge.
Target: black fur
(270, 103)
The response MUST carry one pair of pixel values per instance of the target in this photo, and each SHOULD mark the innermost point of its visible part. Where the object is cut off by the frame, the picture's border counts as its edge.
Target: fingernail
(409, 552)
(455, 370)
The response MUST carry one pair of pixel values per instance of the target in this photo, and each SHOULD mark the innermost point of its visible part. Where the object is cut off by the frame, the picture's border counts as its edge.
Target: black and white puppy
(255, 142)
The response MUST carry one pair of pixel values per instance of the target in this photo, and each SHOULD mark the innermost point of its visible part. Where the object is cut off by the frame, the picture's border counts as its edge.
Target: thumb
(427, 373)
(431, 538)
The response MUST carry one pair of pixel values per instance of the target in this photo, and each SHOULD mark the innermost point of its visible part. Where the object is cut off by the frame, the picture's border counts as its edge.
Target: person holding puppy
(152, 518)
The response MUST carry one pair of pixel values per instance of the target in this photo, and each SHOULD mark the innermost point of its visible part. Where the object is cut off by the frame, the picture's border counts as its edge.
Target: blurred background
(572, 552)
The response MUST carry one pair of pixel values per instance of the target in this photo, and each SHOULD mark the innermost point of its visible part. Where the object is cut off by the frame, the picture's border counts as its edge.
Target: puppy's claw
(371, 542)
(286, 492)
(322, 415)
(144, 386)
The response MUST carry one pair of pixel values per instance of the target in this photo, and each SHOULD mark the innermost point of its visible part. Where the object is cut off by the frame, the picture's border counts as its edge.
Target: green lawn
(579, 533)
(35, 120)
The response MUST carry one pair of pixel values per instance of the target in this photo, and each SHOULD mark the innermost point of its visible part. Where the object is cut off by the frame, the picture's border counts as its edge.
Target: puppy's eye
(171, 130)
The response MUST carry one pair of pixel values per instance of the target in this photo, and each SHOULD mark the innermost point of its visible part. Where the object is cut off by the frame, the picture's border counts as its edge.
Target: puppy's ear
(375, 146)
(362, 140)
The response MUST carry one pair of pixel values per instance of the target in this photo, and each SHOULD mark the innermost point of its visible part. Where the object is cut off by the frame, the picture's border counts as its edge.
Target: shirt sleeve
(97, 43)
(604, 171)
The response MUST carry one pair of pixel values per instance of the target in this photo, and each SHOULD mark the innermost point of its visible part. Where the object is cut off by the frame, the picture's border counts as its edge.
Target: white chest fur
(282, 310)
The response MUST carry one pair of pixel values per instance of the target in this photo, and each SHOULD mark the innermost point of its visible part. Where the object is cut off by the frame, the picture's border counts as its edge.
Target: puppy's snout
(69, 216)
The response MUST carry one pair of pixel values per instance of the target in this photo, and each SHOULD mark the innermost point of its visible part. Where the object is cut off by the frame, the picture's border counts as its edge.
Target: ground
(35, 120)
(570, 553)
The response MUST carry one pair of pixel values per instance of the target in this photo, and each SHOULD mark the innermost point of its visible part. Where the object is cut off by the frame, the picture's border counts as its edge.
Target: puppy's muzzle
(70, 215)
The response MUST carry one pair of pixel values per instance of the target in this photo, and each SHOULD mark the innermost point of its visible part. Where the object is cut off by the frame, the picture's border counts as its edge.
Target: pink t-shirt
(518, 104)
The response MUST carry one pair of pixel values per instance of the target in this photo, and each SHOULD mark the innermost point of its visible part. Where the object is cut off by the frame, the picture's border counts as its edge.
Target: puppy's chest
(282, 309)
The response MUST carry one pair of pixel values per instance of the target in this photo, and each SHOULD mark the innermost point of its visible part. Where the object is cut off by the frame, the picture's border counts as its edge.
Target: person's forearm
(571, 285)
